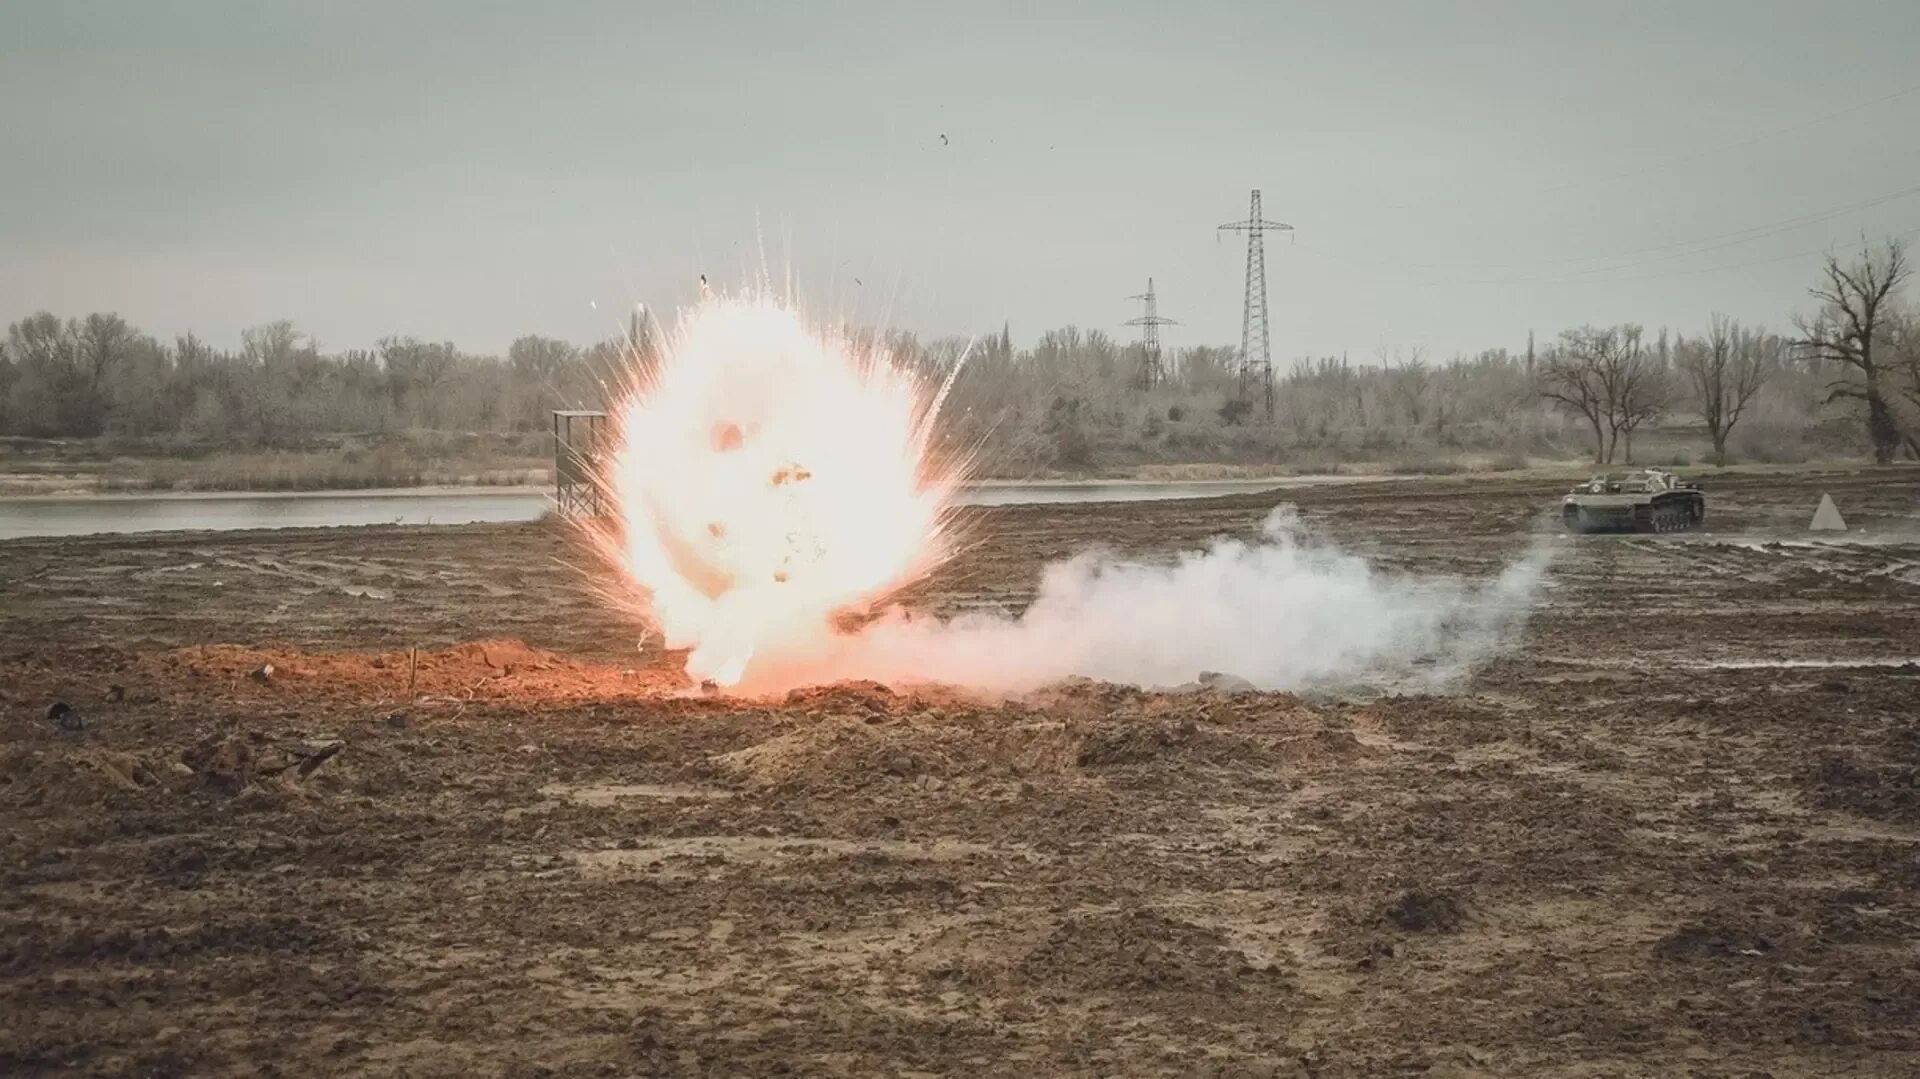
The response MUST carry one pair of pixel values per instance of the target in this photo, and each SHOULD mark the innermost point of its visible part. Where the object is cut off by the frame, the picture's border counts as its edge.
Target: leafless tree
(1608, 378)
(1727, 368)
(540, 359)
(104, 343)
(1444, 392)
(270, 344)
(1410, 379)
(1905, 338)
(1855, 315)
(1569, 378)
(1637, 384)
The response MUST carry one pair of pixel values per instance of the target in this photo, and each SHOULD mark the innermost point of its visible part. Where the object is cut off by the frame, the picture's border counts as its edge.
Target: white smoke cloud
(1282, 613)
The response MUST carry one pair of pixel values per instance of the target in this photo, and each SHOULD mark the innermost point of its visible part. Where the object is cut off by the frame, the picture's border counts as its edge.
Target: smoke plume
(1281, 613)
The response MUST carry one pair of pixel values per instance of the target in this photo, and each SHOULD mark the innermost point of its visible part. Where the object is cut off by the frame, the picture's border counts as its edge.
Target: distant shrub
(1066, 426)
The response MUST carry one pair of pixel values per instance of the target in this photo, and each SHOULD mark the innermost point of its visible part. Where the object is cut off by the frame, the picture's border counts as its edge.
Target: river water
(85, 515)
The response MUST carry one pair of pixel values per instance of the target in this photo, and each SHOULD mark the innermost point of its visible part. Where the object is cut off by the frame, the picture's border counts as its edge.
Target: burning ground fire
(770, 479)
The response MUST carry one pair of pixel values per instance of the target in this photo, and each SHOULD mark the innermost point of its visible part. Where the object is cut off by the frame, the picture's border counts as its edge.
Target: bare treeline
(99, 376)
(1615, 382)
(1727, 391)
(1846, 381)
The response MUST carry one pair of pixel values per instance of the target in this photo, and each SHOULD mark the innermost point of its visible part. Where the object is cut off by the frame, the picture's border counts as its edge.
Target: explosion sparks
(768, 477)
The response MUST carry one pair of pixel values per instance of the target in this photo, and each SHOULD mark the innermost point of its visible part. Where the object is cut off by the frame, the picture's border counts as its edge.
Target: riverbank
(208, 511)
(335, 463)
(428, 461)
(96, 474)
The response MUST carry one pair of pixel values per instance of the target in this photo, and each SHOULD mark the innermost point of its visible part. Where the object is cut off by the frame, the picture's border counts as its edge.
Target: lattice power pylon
(1152, 369)
(1256, 362)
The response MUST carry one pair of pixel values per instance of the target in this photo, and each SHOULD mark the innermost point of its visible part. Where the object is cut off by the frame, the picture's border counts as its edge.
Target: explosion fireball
(767, 478)
(770, 479)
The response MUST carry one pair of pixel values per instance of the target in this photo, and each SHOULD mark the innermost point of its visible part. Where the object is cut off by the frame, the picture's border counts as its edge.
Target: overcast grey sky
(1458, 172)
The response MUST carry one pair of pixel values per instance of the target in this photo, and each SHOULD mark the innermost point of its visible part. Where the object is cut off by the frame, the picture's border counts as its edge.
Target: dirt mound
(843, 747)
(234, 761)
(502, 666)
(228, 661)
(1882, 790)
(1420, 911)
(475, 659)
(226, 764)
(1213, 695)
(1715, 937)
(1367, 928)
(1084, 697)
(41, 944)
(82, 776)
(1119, 744)
(853, 751)
(1138, 951)
(855, 697)
(505, 656)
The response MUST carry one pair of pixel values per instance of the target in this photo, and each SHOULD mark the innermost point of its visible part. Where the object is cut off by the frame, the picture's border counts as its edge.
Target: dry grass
(425, 459)
(271, 471)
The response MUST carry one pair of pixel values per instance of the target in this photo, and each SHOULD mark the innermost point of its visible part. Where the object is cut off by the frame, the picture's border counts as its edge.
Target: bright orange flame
(768, 477)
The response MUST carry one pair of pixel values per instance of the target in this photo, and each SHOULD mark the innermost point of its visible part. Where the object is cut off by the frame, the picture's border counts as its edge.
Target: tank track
(1672, 515)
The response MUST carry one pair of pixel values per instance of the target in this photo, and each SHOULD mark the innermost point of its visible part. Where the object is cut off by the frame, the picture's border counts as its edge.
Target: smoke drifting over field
(1282, 613)
(771, 477)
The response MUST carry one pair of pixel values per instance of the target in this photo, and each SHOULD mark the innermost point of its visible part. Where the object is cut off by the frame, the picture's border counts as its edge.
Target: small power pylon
(1256, 361)
(1152, 370)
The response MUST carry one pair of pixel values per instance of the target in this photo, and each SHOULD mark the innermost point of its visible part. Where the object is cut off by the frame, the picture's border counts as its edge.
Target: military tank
(1647, 500)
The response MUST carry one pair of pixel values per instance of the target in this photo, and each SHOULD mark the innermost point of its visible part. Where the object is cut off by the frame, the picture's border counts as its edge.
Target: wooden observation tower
(580, 444)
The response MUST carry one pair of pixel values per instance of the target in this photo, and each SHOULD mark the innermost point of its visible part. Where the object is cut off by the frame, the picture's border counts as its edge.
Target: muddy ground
(462, 827)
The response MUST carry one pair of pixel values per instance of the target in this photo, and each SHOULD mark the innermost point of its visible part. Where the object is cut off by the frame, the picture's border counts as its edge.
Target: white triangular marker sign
(1827, 517)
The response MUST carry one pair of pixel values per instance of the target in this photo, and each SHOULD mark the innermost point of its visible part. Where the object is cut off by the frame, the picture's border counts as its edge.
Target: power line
(1739, 235)
(1659, 253)
(1152, 370)
(1743, 236)
(1256, 360)
(1908, 234)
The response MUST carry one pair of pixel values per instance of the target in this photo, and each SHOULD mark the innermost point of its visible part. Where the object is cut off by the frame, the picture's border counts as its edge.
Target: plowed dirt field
(462, 827)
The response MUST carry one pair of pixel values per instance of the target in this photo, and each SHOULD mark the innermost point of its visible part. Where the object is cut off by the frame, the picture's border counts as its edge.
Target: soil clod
(1420, 911)
(62, 715)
